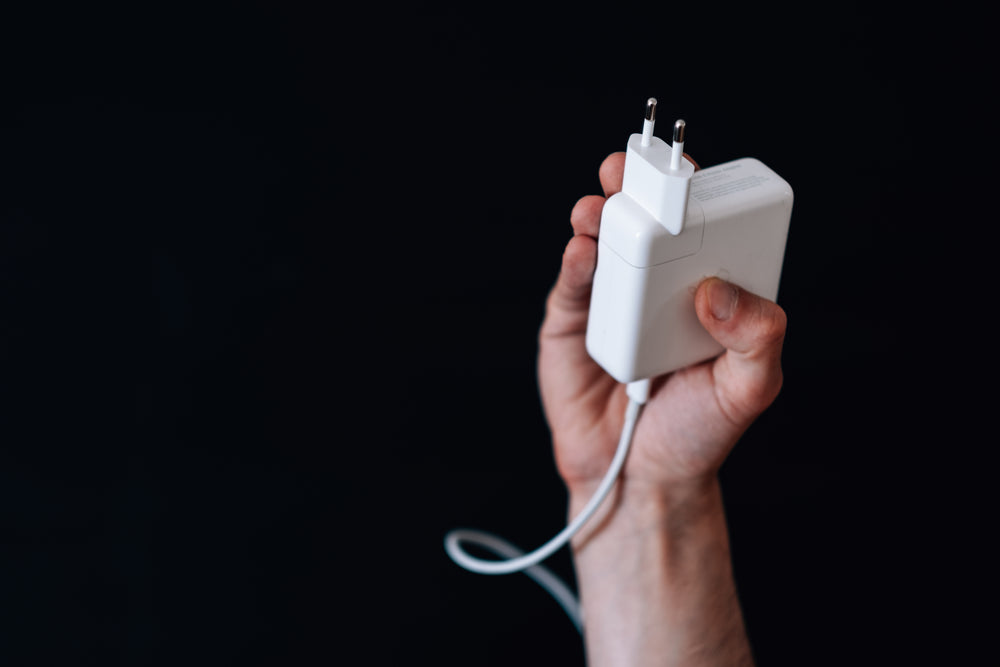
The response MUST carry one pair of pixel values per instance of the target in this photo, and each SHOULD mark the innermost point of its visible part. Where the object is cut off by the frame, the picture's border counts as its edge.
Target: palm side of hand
(694, 416)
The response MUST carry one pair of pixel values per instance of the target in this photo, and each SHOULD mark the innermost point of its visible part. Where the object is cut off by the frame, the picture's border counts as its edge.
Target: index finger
(611, 172)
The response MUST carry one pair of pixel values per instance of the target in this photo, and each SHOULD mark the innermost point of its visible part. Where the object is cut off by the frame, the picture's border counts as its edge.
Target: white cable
(517, 560)
(541, 574)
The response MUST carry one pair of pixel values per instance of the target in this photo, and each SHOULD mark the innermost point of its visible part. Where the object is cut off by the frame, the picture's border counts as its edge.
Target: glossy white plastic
(662, 191)
(642, 321)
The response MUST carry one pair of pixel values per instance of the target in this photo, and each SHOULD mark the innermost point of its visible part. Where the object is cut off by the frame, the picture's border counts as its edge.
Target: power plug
(668, 229)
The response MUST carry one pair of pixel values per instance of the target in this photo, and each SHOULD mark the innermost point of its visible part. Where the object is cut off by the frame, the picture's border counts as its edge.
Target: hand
(693, 417)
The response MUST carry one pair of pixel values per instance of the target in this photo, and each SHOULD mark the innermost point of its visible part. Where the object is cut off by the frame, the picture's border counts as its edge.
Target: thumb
(752, 329)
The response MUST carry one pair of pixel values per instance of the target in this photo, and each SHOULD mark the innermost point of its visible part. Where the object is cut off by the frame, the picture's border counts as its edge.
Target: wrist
(638, 508)
(658, 556)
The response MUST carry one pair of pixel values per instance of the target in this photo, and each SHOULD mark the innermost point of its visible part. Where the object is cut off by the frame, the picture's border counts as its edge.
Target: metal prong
(679, 131)
(678, 148)
(647, 124)
(651, 108)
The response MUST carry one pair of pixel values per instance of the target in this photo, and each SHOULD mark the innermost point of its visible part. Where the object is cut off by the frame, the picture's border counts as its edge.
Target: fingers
(611, 172)
(572, 288)
(586, 215)
(570, 297)
(569, 301)
(752, 329)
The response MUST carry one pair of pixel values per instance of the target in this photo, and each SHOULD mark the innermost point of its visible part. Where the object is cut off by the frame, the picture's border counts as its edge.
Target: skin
(653, 568)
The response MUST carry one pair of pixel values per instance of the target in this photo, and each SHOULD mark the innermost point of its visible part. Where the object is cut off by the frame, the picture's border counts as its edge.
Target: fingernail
(722, 299)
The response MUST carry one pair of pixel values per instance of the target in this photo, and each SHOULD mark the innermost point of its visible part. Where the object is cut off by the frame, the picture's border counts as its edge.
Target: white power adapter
(669, 228)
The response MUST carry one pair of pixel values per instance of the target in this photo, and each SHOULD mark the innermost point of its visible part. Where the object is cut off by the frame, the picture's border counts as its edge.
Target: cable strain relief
(638, 390)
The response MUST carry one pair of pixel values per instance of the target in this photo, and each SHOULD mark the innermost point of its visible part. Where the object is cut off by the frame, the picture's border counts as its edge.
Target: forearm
(656, 582)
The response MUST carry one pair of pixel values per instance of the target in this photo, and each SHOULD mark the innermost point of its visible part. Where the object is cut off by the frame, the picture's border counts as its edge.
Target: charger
(668, 228)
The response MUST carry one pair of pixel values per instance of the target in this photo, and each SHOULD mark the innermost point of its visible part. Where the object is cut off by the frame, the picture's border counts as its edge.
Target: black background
(272, 276)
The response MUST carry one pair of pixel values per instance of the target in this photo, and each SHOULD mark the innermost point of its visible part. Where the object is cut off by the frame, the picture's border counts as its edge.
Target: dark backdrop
(271, 277)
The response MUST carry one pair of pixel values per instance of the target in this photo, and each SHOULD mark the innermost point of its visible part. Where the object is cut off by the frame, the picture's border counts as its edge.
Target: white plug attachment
(656, 175)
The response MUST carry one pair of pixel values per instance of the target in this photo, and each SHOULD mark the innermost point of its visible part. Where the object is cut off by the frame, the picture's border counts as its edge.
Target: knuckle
(771, 323)
(755, 396)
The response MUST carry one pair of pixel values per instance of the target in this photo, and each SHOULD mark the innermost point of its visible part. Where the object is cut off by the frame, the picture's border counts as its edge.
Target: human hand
(693, 416)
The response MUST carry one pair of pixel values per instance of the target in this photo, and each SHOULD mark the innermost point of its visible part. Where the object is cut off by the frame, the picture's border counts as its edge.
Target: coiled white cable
(541, 574)
(517, 560)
